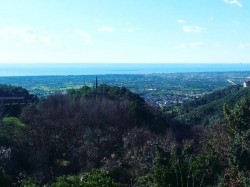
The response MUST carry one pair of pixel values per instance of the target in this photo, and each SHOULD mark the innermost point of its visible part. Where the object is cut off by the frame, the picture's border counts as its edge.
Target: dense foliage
(109, 136)
(208, 109)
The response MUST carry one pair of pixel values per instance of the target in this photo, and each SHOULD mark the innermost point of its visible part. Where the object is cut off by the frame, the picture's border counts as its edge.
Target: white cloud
(244, 45)
(191, 45)
(84, 35)
(234, 2)
(25, 35)
(107, 29)
(195, 29)
(180, 21)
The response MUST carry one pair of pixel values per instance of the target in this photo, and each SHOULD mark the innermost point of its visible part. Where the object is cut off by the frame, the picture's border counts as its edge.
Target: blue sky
(125, 31)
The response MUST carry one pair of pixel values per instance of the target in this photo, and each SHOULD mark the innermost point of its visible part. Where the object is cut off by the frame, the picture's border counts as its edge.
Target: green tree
(10, 128)
(163, 171)
(95, 178)
(239, 131)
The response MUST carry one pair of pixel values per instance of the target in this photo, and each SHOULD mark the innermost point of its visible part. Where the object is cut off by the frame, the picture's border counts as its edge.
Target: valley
(161, 90)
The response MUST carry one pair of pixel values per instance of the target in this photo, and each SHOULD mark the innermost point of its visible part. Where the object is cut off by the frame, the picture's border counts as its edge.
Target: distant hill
(13, 98)
(209, 108)
(113, 98)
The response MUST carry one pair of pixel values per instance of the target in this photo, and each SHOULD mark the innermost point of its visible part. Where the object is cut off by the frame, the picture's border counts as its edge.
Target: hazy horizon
(115, 68)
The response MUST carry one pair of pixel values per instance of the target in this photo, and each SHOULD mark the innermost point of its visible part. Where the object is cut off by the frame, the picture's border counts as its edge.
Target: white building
(246, 84)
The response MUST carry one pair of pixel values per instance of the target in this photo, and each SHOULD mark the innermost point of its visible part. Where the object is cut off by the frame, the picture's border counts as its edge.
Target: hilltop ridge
(208, 109)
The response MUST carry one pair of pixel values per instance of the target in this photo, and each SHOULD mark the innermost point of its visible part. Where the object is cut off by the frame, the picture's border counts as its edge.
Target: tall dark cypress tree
(96, 82)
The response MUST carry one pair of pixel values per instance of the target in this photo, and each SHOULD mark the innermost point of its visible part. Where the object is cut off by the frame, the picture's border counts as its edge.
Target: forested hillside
(209, 108)
(109, 136)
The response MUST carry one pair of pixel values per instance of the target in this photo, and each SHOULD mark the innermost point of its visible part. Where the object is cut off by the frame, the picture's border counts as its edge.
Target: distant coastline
(108, 68)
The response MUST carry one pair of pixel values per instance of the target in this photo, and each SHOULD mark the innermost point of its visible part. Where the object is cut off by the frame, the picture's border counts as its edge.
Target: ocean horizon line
(109, 68)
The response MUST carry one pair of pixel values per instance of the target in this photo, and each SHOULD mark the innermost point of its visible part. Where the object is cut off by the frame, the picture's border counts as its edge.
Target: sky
(125, 31)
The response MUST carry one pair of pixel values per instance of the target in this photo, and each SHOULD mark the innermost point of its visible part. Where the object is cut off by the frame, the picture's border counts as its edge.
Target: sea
(114, 68)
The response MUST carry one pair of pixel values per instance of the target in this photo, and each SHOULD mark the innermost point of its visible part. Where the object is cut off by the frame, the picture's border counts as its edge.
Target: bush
(95, 178)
